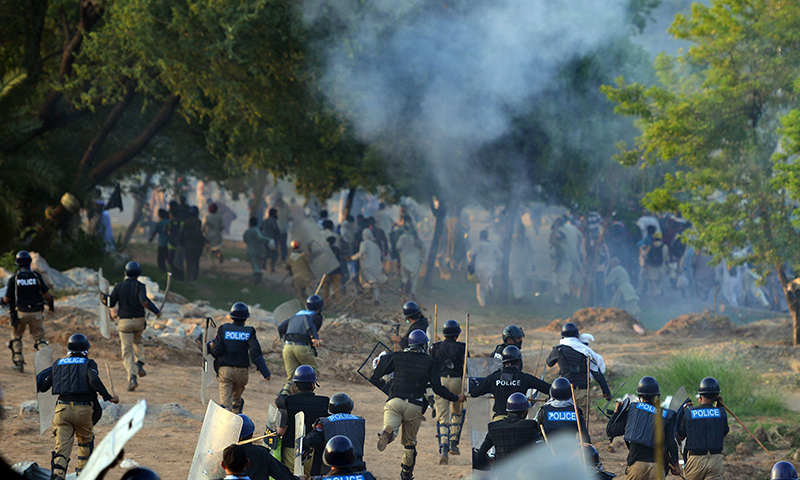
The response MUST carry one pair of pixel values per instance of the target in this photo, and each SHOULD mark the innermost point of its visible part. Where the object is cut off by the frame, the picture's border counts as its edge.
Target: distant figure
(193, 243)
(174, 247)
(298, 264)
(520, 262)
(383, 219)
(256, 248)
(162, 230)
(410, 248)
(371, 269)
(270, 229)
(563, 267)
(104, 230)
(333, 280)
(483, 259)
(284, 216)
(619, 281)
(213, 227)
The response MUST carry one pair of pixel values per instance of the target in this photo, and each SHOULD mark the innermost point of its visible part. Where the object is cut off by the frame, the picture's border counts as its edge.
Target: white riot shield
(313, 240)
(103, 313)
(43, 359)
(480, 409)
(112, 444)
(220, 429)
(209, 375)
(299, 433)
(286, 310)
(273, 421)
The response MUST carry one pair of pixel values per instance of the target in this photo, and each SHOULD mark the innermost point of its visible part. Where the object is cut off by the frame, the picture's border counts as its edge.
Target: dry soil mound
(596, 320)
(698, 324)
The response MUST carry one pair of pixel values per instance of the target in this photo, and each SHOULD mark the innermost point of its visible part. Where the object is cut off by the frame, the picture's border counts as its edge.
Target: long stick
(321, 280)
(538, 358)
(108, 372)
(464, 379)
(745, 428)
(588, 387)
(262, 437)
(435, 321)
(578, 421)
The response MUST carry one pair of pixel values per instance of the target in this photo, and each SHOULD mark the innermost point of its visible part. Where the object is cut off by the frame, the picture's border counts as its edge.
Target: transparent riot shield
(286, 310)
(208, 375)
(103, 313)
(312, 239)
(112, 444)
(371, 362)
(479, 410)
(273, 421)
(299, 433)
(220, 429)
(45, 358)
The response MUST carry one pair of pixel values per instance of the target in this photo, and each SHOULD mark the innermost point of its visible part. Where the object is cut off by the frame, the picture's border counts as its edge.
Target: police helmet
(783, 471)
(340, 403)
(451, 329)
(648, 386)
(78, 343)
(239, 312)
(517, 402)
(569, 330)
(511, 354)
(417, 338)
(305, 374)
(133, 269)
(23, 258)
(512, 331)
(709, 385)
(339, 452)
(248, 428)
(593, 458)
(314, 303)
(410, 309)
(560, 389)
(140, 473)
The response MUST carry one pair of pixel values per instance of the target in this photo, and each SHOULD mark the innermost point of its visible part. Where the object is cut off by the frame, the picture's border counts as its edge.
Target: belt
(704, 452)
(67, 402)
(413, 401)
(290, 342)
(451, 376)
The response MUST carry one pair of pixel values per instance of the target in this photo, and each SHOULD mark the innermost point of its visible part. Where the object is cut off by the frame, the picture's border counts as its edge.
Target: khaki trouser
(294, 356)
(331, 287)
(130, 337)
(402, 413)
(72, 422)
(287, 457)
(580, 399)
(448, 414)
(641, 471)
(32, 320)
(232, 381)
(703, 467)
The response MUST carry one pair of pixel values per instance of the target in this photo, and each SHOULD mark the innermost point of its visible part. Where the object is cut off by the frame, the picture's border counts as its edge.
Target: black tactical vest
(70, 376)
(350, 426)
(313, 406)
(705, 428)
(28, 291)
(572, 366)
(559, 418)
(412, 372)
(509, 380)
(640, 426)
(512, 434)
(451, 355)
(236, 341)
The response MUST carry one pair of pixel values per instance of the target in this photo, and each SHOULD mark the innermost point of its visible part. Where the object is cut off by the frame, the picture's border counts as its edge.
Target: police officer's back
(341, 458)
(417, 321)
(509, 379)
(509, 434)
(559, 412)
(704, 427)
(300, 334)
(571, 356)
(340, 421)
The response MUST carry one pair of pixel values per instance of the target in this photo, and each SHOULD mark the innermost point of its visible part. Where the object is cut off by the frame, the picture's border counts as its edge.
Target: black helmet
(410, 309)
(314, 303)
(709, 385)
(451, 329)
(560, 389)
(339, 452)
(23, 258)
(140, 473)
(133, 269)
(648, 386)
(512, 331)
(511, 354)
(78, 343)
(593, 458)
(783, 471)
(569, 330)
(340, 403)
(305, 373)
(417, 338)
(517, 402)
(239, 312)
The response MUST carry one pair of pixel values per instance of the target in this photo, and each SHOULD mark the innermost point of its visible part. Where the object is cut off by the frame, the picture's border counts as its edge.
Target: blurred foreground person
(483, 260)
(704, 427)
(262, 464)
(449, 415)
(235, 462)
(509, 434)
(595, 465)
(340, 456)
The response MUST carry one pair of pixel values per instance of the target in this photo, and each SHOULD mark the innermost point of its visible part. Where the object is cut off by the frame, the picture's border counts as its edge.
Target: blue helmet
(339, 452)
(560, 389)
(239, 312)
(569, 330)
(314, 303)
(783, 471)
(133, 269)
(247, 426)
(416, 338)
(410, 309)
(517, 402)
(451, 329)
(23, 258)
(305, 373)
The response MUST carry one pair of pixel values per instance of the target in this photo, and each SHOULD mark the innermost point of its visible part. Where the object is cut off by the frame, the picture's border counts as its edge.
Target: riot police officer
(340, 421)
(512, 335)
(233, 349)
(263, 465)
(131, 295)
(313, 407)
(413, 370)
(704, 428)
(340, 456)
(26, 295)
(449, 416)
(417, 321)
(509, 379)
(511, 433)
(559, 412)
(571, 356)
(595, 465)
(636, 423)
(301, 339)
(75, 380)
(783, 471)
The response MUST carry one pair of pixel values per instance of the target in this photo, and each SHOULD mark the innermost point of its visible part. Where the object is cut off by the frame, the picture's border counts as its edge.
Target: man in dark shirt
(574, 360)
(301, 338)
(417, 321)
(262, 464)
(340, 421)
(704, 427)
(131, 295)
(512, 335)
(340, 456)
(76, 382)
(449, 416)
(509, 434)
(26, 295)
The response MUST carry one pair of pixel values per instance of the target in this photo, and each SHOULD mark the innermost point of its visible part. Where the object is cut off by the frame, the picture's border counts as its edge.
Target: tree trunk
(792, 294)
(348, 203)
(440, 215)
(138, 208)
(257, 196)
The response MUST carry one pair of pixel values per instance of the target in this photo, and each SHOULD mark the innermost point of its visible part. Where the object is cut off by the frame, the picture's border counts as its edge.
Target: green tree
(715, 115)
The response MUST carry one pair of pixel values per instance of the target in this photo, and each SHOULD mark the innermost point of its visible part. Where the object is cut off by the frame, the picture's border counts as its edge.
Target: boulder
(82, 276)
(83, 301)
(54, 279)
(31, 407)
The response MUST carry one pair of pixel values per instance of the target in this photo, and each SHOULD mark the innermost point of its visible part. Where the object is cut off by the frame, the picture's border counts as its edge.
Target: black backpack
(655, 256)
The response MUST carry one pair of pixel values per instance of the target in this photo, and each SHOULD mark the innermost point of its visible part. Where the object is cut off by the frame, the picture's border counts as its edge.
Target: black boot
(140, 369)
(406, 472)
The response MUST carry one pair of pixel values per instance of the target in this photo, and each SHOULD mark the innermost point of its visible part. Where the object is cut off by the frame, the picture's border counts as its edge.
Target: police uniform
(349, 425)
(74, 379)
(507, 435)
(25, 295)
(234, 348)
(130, 294)
(704, 427)
(556, 415)
(297, 347)
(636, 424)
(313, 407)
(263, 465)
(502, 383)
(421, 324)
(347, 473)
(450, 415)
(572, 365)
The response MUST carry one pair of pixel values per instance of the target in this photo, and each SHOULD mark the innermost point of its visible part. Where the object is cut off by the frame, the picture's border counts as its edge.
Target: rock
(176, 298)
(31, 407)
(82, 276)
(5, 275)
(196, 334)
(152, 287)
(245, 290)
(174, 325)
(174, 339)
(54, 279)
(743, 449)
(83, 301)
(128, 464)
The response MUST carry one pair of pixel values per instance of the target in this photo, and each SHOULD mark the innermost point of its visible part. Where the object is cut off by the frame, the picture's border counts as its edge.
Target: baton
(321, 281)
(464, 378)
(745, 428)
(245, 442)
(108, 372)
(539, 358)
(588, 387)
(605, 409)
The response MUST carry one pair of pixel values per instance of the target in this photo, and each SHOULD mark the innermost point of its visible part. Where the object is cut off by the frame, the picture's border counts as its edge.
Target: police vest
(451, 354)
(412, 373)
(351, 426)
(347, 476)
(509, 380)
(70, 376)
(297, 328)
(705, 428)
(28, 294)
(236, 344)
(559, 418)
(313, 407)
(640, 426)
(510, 434)
(572, 366)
